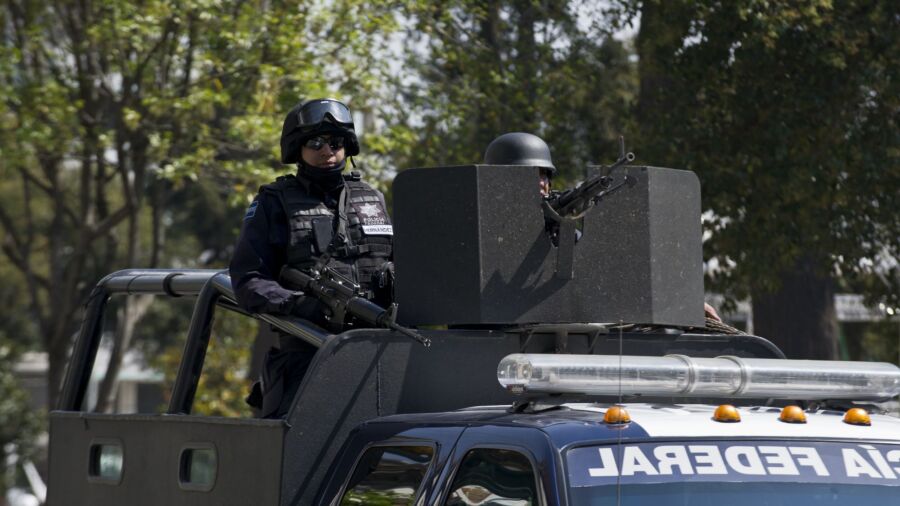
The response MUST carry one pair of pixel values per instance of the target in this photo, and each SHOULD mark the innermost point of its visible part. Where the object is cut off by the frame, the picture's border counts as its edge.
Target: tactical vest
(360, 237)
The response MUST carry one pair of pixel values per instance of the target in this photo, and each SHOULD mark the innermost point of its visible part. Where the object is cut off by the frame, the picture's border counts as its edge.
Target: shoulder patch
(251, 211)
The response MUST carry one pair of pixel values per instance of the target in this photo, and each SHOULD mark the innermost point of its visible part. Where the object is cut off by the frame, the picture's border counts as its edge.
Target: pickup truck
(551, 414)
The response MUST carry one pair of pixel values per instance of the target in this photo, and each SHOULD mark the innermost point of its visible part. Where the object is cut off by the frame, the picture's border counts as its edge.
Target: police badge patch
(374, 221)
(371, 214)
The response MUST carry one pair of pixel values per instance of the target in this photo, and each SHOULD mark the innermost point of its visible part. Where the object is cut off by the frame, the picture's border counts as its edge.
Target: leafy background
(134, 134)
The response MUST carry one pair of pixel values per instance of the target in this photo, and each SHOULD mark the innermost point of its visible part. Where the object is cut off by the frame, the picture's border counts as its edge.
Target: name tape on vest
(764, 461)
(378, 229)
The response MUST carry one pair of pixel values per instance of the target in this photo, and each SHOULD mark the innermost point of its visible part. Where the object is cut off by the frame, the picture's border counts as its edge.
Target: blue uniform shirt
(259, 255)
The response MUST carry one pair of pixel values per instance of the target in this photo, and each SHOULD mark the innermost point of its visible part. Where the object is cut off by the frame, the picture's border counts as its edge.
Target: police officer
(520, 148)
(318, 217)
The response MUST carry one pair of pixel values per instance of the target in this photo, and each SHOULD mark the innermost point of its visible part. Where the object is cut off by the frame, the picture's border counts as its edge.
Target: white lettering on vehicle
(894, 456)
(710, 456)
(744, 459)
(779, 460)
(810, 457)
(634, 461)
(607, 464)
(856, 465)
(866, 461)
(672, 456)
(880, 461)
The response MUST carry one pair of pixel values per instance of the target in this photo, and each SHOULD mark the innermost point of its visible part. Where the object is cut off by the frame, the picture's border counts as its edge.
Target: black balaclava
(330, 181)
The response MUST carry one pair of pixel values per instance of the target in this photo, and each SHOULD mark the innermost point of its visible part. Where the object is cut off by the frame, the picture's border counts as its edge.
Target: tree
(493, 67)
(224, 384)
(788, 111)
(18, 424)
(110, 103)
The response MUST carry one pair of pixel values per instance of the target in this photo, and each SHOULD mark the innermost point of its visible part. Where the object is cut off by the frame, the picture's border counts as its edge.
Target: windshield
(736, 473)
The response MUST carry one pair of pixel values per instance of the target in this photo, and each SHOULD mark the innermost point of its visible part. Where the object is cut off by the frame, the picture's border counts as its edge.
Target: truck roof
(579, 423)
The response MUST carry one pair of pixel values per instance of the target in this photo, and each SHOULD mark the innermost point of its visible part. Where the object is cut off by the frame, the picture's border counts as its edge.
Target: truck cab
(569, 455)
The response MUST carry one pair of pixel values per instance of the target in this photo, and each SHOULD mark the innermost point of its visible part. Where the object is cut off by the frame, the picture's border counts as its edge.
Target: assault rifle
(343, 298)
(573, 203)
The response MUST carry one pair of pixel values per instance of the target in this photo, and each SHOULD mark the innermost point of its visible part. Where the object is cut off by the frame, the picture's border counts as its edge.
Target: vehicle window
(106, 462)
(493, 477)
(388, 475)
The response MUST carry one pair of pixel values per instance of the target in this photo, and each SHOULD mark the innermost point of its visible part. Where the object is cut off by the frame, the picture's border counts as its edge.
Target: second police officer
(521, 148)
(318, 217)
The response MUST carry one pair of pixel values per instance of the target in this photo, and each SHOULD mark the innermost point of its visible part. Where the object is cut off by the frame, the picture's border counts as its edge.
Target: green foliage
(224, 383)
(875, 341)
(19, 425)
(114, 111)
(491, 68)
(788, 111)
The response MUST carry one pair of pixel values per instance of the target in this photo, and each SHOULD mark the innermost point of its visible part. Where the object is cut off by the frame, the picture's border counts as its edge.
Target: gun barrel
(366, 310)
(581, 198)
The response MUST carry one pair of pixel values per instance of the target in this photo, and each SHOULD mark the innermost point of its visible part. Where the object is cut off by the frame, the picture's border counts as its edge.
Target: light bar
(682, 376)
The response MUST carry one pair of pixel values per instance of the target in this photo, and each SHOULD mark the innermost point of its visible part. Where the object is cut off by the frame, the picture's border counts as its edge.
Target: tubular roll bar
(211, 287)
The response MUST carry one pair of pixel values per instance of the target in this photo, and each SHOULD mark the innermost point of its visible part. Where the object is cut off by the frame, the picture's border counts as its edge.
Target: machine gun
(564, 210)
(343, 298)
(573, 203)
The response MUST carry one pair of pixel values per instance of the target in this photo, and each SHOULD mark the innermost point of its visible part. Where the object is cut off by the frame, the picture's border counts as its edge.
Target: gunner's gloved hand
(306, 307)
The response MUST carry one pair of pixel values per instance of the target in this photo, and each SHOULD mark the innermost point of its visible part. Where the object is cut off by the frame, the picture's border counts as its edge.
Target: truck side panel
(155, 454)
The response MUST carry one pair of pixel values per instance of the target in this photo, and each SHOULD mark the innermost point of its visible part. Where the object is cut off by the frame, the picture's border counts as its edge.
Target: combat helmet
(316, 117)
(519, 148)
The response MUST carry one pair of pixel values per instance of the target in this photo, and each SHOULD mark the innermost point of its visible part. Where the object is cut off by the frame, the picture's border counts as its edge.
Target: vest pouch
(322, 232)
(300, 253)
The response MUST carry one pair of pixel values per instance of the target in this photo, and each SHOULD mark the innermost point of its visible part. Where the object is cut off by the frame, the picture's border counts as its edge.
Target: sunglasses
(318, 143)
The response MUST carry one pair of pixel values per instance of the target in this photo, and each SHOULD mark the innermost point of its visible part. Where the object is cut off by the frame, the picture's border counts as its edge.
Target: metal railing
(211, 287)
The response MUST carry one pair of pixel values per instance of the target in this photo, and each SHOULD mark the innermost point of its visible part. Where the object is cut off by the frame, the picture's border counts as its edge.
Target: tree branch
(8, 224)
(142, 64)
(104, 226)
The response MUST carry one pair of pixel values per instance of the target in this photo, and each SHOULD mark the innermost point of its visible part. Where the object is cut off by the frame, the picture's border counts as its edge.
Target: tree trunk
(527, 62)
(800, 317)
(56, 368)
(663, 26)
(654, 50)
(133, 309)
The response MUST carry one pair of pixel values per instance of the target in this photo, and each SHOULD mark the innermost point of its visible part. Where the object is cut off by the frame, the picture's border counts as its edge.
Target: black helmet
(519, 148)
(316, 117)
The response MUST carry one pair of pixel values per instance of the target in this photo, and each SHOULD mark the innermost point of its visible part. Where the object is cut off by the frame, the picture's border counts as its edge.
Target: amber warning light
(682, 376)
